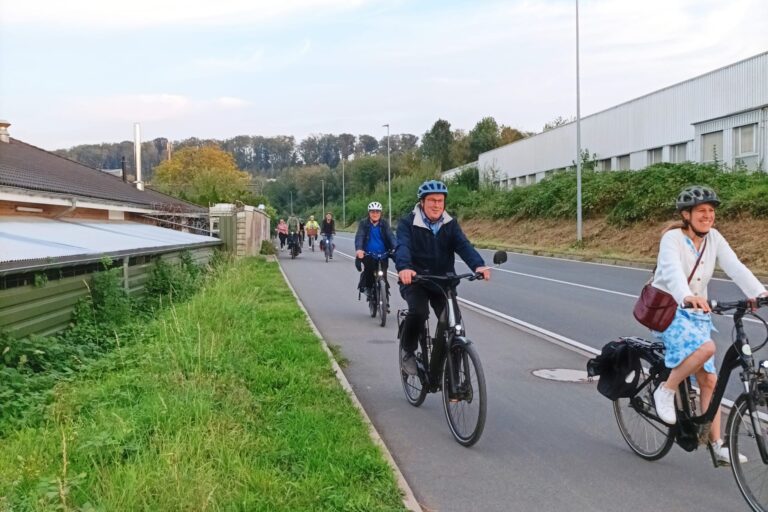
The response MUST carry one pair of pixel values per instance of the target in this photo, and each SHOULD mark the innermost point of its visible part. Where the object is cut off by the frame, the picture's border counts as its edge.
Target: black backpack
(618, 366)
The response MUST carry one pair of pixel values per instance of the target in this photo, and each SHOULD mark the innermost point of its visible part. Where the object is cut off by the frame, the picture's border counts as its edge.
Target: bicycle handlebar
(471, 276)
(723, 306)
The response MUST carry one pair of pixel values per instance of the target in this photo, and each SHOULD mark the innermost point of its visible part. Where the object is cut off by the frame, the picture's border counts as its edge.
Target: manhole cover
(562, 374)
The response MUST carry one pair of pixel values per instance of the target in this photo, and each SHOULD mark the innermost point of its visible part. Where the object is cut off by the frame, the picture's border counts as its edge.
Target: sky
(84, 71)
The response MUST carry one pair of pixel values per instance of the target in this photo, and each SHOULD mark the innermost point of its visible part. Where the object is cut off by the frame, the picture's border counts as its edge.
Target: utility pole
(578, 134)
(389, 178)
(343, 196)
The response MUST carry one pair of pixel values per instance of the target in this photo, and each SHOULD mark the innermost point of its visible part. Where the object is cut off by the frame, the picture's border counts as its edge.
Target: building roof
(28, 240)
(26, 167)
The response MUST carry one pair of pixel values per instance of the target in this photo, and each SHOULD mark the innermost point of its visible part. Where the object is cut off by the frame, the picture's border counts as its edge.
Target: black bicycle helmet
(432, 187)
(696, 195)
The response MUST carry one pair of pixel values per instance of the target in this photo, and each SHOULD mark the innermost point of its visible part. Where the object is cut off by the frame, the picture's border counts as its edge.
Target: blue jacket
(420, 250)
(364, 231)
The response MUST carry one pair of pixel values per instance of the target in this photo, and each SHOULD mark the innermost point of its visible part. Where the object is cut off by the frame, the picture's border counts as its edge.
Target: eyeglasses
(435, 201)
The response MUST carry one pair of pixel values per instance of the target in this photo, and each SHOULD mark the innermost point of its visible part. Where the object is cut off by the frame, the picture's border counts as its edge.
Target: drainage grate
(562, 375)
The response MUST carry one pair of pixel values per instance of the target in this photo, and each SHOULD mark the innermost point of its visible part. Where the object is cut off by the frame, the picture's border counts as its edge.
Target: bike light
(764, 364)
(458, 328)
(381, 273)
(746, 350)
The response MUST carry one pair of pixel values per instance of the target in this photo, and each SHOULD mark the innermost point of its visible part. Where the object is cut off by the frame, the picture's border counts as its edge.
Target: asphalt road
(547, 445)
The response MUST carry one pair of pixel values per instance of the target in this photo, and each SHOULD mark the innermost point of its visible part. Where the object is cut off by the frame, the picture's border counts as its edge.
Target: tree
(347, 145)
(328, 150)
(436, 144)
(558, 121)
(460, 148)
(483, 137)
(309, 150)
(202, 175)
(510, 135)
(366, 145)
(366, 171)
(408, 142)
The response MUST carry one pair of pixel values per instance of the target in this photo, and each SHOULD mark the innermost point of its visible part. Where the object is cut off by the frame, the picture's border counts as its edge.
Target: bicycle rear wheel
(382, 302)
(413, 385)
(466, 408)
(648, 438)
(751, 476)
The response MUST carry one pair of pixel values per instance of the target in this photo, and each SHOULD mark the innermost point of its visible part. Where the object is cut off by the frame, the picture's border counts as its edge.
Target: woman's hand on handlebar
(406, 276)
(486, 271)
(697, 303)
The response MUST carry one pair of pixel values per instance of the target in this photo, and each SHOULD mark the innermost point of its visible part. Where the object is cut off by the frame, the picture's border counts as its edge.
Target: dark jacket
(364, 232)
(328, 228)
(420, 250)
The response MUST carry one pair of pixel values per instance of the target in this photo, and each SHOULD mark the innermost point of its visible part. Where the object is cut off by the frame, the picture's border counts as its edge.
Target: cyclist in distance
(373, 236)
(328, 230)
(312, 227)
(688, 340)
(427, 239)
(282, 233)
(293, 230)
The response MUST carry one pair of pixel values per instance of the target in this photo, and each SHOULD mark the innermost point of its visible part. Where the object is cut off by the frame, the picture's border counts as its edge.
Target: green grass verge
(230, 403)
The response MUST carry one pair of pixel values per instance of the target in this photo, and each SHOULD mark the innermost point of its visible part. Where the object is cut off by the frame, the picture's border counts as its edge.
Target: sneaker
(408, 364)
(723, 454)
(665, 404)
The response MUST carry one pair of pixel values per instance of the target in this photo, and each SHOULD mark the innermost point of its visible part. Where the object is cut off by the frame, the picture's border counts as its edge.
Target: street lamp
(578, 133)
(323, 188)
(291, 192)
(389, 178)
(343, 195)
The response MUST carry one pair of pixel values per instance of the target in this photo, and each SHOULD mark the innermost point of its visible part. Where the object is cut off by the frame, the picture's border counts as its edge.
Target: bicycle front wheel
(744, 430)
(382, 302)
(648, 438)
(413, 385)
(464, 399)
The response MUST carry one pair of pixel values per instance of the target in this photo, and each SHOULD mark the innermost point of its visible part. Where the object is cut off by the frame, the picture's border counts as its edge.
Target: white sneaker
(723, 454)
(665, 404)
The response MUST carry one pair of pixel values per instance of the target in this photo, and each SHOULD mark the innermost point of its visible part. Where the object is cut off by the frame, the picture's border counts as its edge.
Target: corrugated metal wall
(659, 119)
(46, 309)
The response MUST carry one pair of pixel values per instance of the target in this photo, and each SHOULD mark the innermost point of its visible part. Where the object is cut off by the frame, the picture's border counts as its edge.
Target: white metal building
(721, 115)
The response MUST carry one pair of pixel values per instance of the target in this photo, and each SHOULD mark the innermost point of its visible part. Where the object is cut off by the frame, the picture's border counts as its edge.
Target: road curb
(409, 499)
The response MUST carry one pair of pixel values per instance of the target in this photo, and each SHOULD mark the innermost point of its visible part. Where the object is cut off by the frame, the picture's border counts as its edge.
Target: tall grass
(228, 403)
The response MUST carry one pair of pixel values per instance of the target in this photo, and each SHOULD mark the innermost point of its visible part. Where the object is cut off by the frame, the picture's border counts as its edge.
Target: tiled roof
(28, 167)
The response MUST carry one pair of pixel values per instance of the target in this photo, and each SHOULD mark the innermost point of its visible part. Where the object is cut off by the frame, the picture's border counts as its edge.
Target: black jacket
(364, 232)
(420, 250)
(328, 228)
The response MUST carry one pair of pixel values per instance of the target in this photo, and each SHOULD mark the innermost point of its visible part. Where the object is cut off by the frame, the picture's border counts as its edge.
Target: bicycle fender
(461, 340)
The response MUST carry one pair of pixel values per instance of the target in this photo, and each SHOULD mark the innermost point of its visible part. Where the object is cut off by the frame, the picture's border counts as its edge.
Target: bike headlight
(381, 273)
(458, 328)
(746, 350)
(764, 364)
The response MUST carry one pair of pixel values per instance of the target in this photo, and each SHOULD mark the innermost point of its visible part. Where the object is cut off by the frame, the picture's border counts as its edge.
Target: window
(678, 153)
(744, 142)
(712, 147)
(604, 165)
(622, 162)
(654, 156)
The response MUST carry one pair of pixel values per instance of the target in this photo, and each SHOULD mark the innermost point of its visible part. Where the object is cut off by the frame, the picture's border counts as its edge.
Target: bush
(267, 247)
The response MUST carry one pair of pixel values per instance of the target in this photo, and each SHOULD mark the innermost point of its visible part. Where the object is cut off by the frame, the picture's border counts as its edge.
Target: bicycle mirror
(499, 257)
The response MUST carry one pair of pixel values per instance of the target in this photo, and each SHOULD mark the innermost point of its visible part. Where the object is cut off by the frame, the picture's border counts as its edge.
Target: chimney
(4, 135)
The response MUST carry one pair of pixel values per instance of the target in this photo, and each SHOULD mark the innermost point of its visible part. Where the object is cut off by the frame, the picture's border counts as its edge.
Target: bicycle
(311, 236)
(327, 246)
(293, 245)
(378, 296)
(650, 438)
(448, 362)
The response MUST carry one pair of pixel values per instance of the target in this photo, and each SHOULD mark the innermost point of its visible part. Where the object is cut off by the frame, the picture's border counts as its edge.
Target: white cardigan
(676, 260)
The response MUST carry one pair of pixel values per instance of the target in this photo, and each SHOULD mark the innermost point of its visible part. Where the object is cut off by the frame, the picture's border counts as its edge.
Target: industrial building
(718, 116)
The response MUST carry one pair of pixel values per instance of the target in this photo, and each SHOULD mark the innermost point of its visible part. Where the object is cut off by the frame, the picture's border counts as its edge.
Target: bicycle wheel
(413, 385)
(465, 410)
(751, 476)
(648, 438)
(373, 301)
(382, 302)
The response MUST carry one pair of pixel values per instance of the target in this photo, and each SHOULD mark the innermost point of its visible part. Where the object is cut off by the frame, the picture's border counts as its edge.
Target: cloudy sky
(83, 71)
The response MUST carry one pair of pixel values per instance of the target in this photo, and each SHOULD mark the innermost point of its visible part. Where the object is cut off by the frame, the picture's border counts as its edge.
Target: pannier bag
(618, 366)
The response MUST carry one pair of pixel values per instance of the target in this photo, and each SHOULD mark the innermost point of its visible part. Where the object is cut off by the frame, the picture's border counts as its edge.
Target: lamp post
(291, 192)
(323, 188)
(578, 134)
(343, 196)
(389, 178)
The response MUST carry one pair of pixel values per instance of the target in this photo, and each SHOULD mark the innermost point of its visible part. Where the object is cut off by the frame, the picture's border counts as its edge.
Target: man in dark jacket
(427, 239)
(373, 242)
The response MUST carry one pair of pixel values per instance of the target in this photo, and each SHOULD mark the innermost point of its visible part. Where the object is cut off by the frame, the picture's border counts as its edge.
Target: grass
(229, 403)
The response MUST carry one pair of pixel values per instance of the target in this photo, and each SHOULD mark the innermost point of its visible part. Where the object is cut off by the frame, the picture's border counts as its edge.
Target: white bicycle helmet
(374, 206)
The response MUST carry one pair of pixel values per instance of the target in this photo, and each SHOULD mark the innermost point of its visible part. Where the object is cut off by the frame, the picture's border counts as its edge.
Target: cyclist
(328, 229)
(312, 227)
(689, 347)
(301, 231)
(293, 230)
(427, 239)
(373, 236)
(282, 233)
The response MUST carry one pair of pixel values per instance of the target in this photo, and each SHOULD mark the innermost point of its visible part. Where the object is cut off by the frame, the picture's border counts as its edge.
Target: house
(59, 219)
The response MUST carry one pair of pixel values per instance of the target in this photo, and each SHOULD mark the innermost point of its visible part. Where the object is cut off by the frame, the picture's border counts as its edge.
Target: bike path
(546, 445)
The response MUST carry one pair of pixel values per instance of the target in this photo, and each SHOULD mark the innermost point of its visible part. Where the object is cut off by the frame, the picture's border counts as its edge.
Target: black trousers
(282, 237)
(370, 265)
(419, 297)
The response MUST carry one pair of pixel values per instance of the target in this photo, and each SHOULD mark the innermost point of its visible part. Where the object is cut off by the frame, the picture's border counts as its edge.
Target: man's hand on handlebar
(406, 276)
(486, 271)
(359, 254)
(697, 303)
